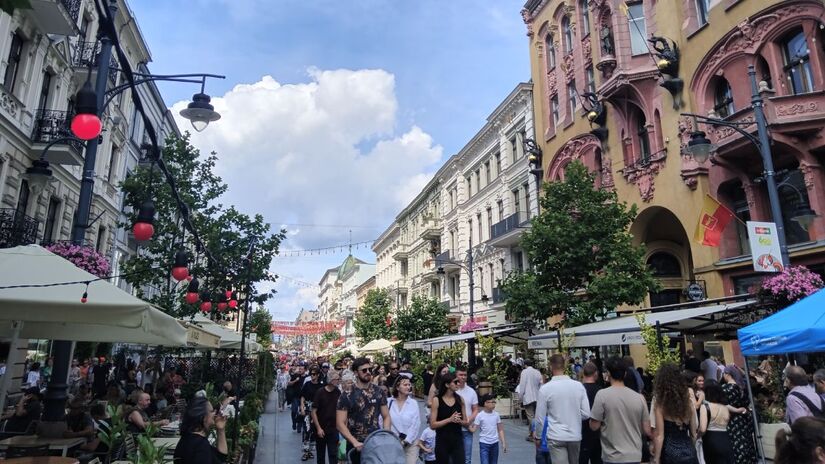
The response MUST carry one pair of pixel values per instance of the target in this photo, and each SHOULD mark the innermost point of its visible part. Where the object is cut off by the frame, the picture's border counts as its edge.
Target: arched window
(567, 32)
(723, 98)
(797, 67)
(585, 18)
(664, 264)
(643, 136)
(550, 48)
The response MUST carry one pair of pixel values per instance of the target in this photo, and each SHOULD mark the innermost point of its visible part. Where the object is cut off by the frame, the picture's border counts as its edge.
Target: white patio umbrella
(55, 312)
(380, 345)
(230, 340)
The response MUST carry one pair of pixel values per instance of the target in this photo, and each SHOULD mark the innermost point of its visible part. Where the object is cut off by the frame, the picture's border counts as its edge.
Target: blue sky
(343, 108)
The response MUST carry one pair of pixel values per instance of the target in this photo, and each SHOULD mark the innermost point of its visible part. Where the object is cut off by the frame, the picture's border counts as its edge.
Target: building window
(796, 54)
(590, 77)
(113, 158)
(45, 89)
(470, 232)
(550, 48)
(498, 164)
(489, 221)
(487, 176)
(469, 186)
(500, 205)
(663, 264)
(790, 191)
(480, 227)
(526, 189)
(571, 98)
(23, 198)
(567, 31)
(643, 136)
(585, 18)
(702, 8)
(14, 61)
(638, 30)
(478, 180)
(516, 202)
(554, 107)
(723, 98)
(101, 235)
(51, 220)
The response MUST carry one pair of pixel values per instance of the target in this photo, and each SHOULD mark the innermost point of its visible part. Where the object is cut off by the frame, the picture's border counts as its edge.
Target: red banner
(289, 328)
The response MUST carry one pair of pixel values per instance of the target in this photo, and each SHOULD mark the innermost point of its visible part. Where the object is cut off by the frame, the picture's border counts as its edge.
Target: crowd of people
(590, 412)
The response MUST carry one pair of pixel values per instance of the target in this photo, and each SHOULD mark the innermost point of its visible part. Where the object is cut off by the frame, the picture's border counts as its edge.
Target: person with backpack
(803, 400)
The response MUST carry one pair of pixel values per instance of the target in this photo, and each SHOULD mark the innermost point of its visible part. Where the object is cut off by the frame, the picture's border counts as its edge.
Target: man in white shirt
(563, 403)
(529, 384)
(470, 399)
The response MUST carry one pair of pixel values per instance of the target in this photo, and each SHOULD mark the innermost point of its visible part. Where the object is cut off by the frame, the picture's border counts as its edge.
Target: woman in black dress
(447, 420)
(193, 447)
(740, 427)
(676, 421)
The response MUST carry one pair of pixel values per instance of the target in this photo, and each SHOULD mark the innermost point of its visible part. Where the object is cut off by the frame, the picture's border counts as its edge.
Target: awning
(229, 339)
(512, 333)
(380, 345)
(624, 330)
(798, 328)
(200, 337)
(55, 311)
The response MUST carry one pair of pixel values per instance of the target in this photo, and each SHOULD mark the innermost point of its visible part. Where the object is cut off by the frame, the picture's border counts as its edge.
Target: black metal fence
(200, 370)
(16, 228)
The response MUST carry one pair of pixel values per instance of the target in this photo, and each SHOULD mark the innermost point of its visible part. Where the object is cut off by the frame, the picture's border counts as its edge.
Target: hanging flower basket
(470, 326)
(790, 286)
(86, 258)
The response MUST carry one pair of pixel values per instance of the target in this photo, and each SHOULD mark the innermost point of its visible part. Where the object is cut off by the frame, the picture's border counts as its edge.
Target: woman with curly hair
(676, 422)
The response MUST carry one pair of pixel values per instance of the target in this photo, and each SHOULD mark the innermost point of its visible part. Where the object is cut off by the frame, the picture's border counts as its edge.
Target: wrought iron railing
(85, 53)
(16, 228)
(73, 8)
(51, 125)
(510, 223)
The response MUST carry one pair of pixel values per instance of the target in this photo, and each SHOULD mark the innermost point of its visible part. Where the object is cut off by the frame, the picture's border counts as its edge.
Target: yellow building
(601, 46)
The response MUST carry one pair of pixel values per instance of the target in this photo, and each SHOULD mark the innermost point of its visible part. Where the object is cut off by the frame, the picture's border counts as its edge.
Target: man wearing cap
(323, 419)
(324, 373)
(28, 409)
(79, 424)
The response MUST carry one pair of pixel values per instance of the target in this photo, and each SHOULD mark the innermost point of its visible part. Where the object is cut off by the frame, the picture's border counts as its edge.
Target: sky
(335, 113)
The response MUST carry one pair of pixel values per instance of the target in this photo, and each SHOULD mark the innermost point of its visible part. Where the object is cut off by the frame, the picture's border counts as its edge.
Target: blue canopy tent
(798, 328)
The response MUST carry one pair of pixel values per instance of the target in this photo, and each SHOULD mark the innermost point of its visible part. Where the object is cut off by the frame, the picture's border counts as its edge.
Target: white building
(488, 199)
(329, 295)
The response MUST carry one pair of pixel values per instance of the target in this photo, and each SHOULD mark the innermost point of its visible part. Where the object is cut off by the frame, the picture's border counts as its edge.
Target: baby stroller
(381, 447)
(307, 435)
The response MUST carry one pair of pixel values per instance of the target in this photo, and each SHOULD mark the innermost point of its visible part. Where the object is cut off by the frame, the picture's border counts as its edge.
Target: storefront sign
(764, 242)
(695, 292)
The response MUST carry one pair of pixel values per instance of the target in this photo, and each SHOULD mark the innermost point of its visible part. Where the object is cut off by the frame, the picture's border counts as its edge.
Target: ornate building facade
(612, 80)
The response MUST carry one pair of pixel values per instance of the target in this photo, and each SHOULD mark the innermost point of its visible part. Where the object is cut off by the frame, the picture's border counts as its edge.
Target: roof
(624, 330)
(511, 333)
(350, 263)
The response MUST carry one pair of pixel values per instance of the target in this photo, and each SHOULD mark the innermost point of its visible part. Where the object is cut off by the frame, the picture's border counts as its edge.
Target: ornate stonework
(551, 83)
(9, 104)
(569, 67)
(576, 149)
(797, 108)
(643, 174)
(587, 52)
(528, 20)
(809, 173)
(690, 170)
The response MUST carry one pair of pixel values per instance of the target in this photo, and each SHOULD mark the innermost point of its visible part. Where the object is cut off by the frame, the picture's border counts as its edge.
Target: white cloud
(325, 151)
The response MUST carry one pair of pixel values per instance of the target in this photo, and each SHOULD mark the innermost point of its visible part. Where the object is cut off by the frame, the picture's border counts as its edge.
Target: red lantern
(229, 294)
(191, 297)
(206, 306)
(233, 304)
(144, 228)
(86, 126)
(85, 297)
(221, 306)
(179, 271)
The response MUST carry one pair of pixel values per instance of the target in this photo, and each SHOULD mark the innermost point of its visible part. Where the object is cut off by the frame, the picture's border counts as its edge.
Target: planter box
(768, 433)
(504, 407)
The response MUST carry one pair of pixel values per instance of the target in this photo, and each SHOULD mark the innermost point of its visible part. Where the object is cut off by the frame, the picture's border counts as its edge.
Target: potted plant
(789, 286)
(770, 404)
(494, 373)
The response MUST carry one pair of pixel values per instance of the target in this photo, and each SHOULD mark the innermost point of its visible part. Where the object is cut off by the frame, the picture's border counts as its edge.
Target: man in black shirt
(393, 374)
(293, 394)
(80, 425)
(28, 409)
(324, 406)
(307, 396)
(591, 445)
(427, 376)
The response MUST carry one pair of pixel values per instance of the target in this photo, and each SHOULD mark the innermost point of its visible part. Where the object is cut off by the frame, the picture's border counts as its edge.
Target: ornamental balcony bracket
(596, 115)
(667, 54)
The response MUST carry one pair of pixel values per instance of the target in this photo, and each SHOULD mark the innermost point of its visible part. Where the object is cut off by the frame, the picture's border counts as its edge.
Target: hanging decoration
(180, 270)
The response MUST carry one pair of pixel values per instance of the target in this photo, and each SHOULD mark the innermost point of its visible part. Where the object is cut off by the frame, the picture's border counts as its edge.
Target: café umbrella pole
(757, 433)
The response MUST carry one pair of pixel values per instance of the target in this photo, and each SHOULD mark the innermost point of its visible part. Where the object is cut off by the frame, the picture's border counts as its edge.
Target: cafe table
(170, 442)
(55, 444)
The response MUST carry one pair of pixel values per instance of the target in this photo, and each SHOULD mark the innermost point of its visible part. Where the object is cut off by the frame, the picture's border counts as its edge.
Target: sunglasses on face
(365, 370)
(456, 382)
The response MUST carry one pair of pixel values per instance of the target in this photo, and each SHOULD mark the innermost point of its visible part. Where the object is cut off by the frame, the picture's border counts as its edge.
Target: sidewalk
(277, 443)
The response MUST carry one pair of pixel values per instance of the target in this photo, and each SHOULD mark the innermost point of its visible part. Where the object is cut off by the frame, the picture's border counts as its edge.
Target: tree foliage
(423, 318)
(584, 262)
(371, 320)
(226, 232)
(260, 323)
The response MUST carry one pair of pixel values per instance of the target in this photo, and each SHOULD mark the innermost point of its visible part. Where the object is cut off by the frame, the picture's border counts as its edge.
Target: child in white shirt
(492, 431)
(427, 443)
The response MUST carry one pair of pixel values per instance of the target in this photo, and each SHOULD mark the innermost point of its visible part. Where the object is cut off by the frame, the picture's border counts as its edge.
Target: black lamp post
(471, 346)
(701, 148)
(86, 122)
(247, 294)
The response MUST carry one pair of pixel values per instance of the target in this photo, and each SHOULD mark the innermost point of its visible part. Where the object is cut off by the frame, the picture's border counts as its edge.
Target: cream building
(329, 295)
(338, 298)
(488, 197)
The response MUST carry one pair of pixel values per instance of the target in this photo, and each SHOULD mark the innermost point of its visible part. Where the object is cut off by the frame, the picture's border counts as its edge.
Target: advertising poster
(764, 246)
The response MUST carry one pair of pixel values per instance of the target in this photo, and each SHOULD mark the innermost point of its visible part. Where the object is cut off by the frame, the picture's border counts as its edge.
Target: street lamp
(471, 351)
(701, 148)
(86, 125)
(200, 113)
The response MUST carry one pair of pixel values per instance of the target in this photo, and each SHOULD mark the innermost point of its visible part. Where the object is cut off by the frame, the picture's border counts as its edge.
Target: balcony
(402, 286)
(402, 254)
(16, 228)
(432, 231)
(446, 262)
(50, 125)
(506, 233)
(87, 54)
(498, 296)
(430, 275)
(56, 16)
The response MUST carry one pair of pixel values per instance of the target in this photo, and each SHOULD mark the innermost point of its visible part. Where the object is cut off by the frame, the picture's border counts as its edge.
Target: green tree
(423, 318)
(584, 262)
(260, 323)
(371, 320)
(226, 232)
(330, 336)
